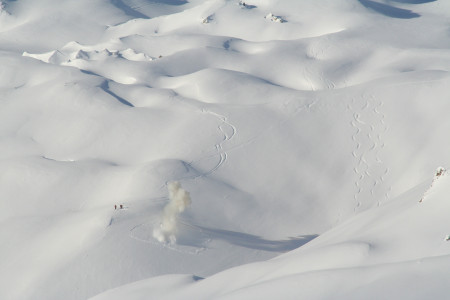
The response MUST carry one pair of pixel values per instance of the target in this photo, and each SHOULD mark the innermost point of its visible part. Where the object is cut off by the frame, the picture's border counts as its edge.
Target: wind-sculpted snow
(292, 124)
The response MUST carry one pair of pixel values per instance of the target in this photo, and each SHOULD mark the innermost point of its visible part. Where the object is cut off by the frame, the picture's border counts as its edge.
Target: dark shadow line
(170, 2)
(128, 10)
(247, 6)
(389, 11)
(255, 242)
(197, 278)
(413, 1)
(105, 87)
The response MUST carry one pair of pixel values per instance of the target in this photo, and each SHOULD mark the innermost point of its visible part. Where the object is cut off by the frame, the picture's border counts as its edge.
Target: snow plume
(179, 200)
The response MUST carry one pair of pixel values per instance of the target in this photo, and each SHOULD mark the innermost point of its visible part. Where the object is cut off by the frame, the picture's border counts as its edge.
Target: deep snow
(306, 133)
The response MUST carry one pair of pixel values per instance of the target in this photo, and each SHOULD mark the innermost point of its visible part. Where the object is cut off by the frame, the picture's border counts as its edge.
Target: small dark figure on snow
(121, 206)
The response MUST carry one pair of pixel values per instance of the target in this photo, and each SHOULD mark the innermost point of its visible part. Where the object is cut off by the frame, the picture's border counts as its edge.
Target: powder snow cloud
(179, 200)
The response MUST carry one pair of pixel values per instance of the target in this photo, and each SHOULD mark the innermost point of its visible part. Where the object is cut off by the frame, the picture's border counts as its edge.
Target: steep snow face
(281, 119)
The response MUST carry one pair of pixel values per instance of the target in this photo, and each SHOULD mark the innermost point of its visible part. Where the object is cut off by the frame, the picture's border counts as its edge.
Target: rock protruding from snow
(243, 4)
(274, 18)
(440, 172)
(208, 19)
(130, 54)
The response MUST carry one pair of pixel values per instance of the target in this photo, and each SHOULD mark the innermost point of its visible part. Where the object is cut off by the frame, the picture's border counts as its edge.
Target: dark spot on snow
(226, 44)
(197, 278)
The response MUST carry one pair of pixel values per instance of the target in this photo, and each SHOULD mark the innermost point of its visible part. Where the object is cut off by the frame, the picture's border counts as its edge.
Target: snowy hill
(303, 135)
(396, 251)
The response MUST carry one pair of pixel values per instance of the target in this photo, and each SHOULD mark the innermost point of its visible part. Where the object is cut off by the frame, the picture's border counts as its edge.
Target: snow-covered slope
(397, 251)
(284, 120)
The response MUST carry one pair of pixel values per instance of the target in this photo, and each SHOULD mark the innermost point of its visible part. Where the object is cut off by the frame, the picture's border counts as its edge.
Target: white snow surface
(305, 135)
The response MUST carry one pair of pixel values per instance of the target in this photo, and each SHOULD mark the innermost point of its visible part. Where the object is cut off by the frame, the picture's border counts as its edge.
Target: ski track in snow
(225, 128)
(229, 131)
(143, 232)
(112, 116)
(146, 237)
(369, 124)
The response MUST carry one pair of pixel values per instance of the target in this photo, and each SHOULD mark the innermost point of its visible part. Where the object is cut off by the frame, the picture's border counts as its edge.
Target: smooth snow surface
(301, 139)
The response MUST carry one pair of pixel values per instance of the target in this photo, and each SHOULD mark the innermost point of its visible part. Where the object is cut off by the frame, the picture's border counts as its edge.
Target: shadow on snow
(241, 239)
(413, 1)
(105, 87)
(169, 2)
(128, 10)
(391, 11)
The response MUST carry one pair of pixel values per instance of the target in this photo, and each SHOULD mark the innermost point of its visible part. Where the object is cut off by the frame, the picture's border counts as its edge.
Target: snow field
(301, 133)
